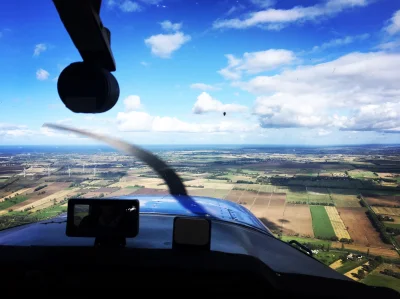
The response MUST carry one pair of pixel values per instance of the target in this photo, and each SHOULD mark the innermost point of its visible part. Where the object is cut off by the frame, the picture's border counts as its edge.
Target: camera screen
(93, 218)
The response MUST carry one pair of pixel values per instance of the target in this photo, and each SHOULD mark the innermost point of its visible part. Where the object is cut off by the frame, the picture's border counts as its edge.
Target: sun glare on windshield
(290, 109)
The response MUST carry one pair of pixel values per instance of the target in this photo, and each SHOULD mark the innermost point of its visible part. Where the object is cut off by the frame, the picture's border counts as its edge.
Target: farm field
(375, 278)
(270, 210)
(386, 251)
(336, 264)
(297, 194)
(387, 200)
(19, 192)
(321, 224)
(381, 280)
(309, 194)
(394, 224)
(360, 227)
(318, 195)
(350, 274)
(297, 219)
(345, 198)
(387, 211)
(350, 265)
(337, 223)
(328, 257)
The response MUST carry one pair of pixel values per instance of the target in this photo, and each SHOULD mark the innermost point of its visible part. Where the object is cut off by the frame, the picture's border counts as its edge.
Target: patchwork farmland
(308, 194)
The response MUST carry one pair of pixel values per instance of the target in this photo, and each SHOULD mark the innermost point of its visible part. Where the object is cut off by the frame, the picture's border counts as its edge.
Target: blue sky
(285, 71)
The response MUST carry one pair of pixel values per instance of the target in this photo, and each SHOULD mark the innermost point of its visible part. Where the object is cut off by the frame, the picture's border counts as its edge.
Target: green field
(328, 257)
(380, 280)
(321, 224)
(13, 201)
(268, 188)
(296, 194)
(133, 187)
(362, 174)
(345, 198)
(391, 224)
(306, 240)
(318, 195)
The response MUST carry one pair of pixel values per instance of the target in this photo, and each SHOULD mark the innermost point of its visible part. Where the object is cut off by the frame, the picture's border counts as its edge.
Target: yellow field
(336, 264)
(337, 223)
(387, 211)
(355, 271)
(48, 200)
(19, 192)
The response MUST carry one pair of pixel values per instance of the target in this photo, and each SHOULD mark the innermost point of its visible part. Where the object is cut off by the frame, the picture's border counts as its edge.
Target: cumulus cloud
(394, 24)
(205, 103)
(39, 48)
(202, 86)
(168, 26)
(132, 120)
(341, 42)
(135, 121)
(376, 117)
(320, 96)
(255, 62)
(42, 74)
(12, 130)
(163, 45)
(276, 19)
(132, 103)
(125, 5)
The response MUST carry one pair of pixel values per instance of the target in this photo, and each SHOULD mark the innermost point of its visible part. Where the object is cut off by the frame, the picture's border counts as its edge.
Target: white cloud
(341, 41)
(205, 103)
(39, 48)
(42, 74)
(375, 117)
(322, 95)
(168, 26)
(132, 103)
(283, 17)
(11, 130)
(389, 46)
(163, 45)
(263, 3)
(144, 63)
(235, 9)
(202, 86)
(129, 6)
(135, 121)
(124, 5)
(394, 24)
(255, 62)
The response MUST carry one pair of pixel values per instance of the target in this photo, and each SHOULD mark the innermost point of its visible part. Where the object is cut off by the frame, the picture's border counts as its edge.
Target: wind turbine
(48, 170)
(69, 171)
